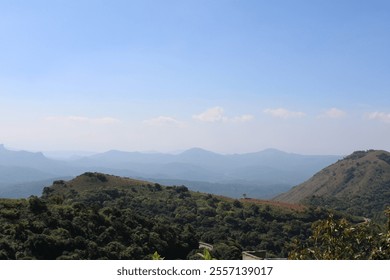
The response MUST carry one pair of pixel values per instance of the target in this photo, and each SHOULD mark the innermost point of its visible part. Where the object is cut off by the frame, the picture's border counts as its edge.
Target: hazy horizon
(306, 77)
(63, 154)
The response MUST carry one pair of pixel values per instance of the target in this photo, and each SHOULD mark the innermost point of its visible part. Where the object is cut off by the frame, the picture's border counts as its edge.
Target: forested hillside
(98, 216)
(359, 185)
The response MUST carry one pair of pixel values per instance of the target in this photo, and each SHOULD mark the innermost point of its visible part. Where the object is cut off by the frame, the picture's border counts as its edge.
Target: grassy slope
(360, 184)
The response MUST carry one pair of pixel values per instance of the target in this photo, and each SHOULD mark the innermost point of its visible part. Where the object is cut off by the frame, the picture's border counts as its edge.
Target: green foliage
(334, 239)
(387, 213)
(229, 250)
(91, 217)
(357, 155)
(36, 205)
(156, 256)
(206, 255)
(358, 185)
(385, 157)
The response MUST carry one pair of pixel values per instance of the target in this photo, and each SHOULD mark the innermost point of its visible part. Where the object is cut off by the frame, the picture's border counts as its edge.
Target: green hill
(99, 216)
(359, 184)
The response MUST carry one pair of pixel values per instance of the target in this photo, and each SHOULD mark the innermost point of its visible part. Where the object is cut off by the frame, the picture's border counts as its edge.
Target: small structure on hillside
(206, 245)
(254, 255)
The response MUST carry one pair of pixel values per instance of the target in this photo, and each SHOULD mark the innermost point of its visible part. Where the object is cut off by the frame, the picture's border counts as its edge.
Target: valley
(261, 174)
(96, 215)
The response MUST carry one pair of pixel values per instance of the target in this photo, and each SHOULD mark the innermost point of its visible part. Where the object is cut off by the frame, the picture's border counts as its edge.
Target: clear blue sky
(230, 76)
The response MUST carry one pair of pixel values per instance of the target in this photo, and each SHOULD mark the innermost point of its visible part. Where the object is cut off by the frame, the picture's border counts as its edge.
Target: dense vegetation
(359, 185)
(97, 216)
(337, 239)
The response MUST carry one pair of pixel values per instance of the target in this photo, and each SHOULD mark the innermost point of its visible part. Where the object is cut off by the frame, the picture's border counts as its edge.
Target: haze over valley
(260, 175)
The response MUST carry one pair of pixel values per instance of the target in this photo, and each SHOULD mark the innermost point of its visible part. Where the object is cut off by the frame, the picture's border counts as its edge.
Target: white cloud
(380, 116)
(284, 113)
(163, 120)
(334, 113)
(86, 120)
(214, 114)
(243, 118)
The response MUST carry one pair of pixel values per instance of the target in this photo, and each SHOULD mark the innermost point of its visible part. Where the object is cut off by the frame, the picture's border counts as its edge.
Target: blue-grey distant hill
(24, 173)
(262, 174)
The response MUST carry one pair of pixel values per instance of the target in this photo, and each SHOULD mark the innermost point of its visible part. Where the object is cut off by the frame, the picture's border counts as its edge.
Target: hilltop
(358, 184)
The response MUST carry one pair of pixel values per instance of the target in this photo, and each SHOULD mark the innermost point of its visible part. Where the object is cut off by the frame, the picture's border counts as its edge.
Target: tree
(340, 240)
(36, 204)
(156, 256)
(206, 255)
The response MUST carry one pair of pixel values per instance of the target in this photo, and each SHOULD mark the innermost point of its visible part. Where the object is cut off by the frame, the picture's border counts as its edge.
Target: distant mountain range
(260, 175)
(358, 184)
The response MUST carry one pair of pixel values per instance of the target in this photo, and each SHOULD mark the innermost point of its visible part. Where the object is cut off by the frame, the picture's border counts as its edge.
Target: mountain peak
(272, 151)
(197, 151)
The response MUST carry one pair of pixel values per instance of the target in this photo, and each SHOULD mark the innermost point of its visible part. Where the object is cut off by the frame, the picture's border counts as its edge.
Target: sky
(231, 76)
